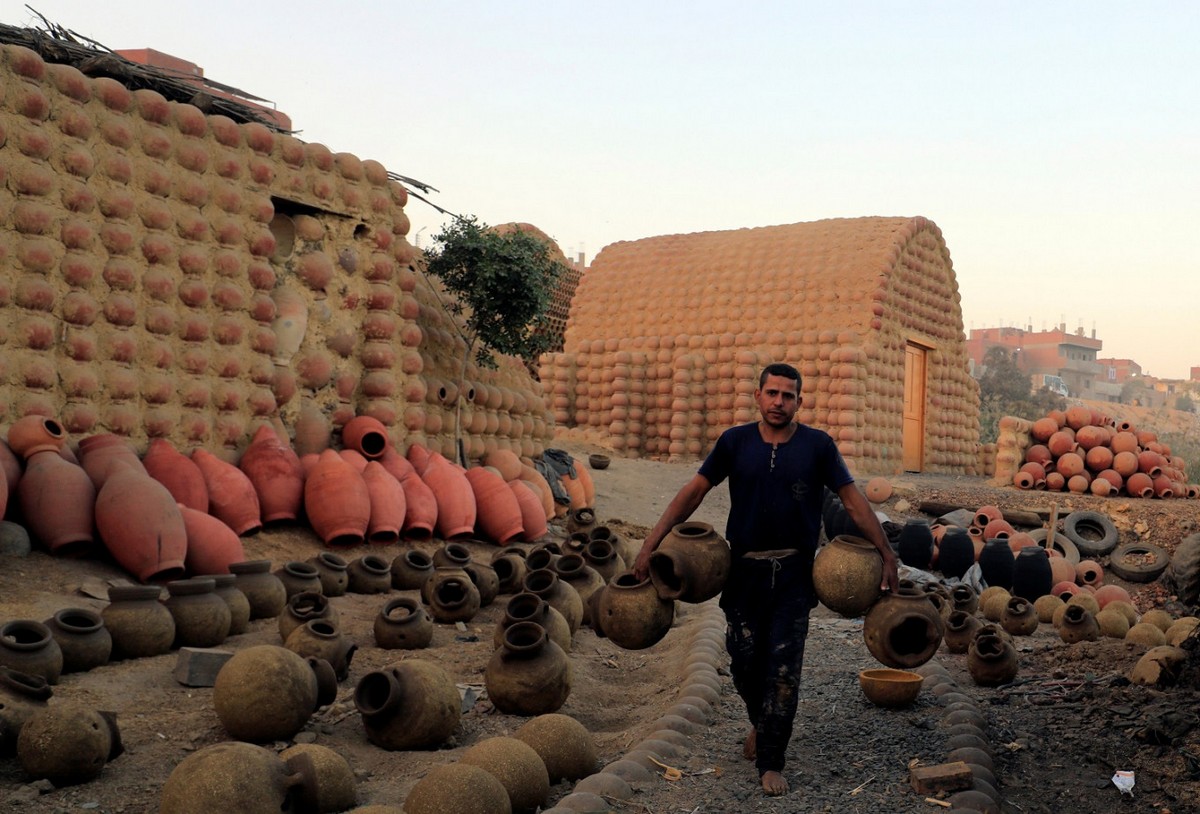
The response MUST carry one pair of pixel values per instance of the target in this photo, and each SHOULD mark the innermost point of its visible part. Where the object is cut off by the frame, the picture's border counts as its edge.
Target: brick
(954, 776)
(198, 667)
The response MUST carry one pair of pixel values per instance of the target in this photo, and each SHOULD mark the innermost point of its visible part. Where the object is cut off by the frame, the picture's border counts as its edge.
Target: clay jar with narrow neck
(1019, 618)
(21, 695)
(337, 501)
(267, 693)
(403, 624)
(412, 704)
(202, 618)
(632, 614)
(369, 574)
(903, 630)
(99, 454)
(1078, 625)
(58, 500)
(140, 524)
(28, 647)
(580, 520)
(603, 558)
(961, 627)
(332, 572)
(847, 573)
(451, 555)
(410, 569)
(992, 660)
(178, 473)
(529, 674)
(299, 577)
(557, 594)
(303, 608)
(527, 607)
(451, 596)
(231, 495)
(140, 625)
(486, 581)
(510, 571)
(263, 590)
(691, 564)
(574, 571)
(276, 475)
(321, 639)
(225, 586)
(964, 598)
(81, 635)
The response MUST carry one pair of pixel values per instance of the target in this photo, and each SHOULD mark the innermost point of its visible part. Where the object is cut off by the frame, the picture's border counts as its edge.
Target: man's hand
(891, 573)
(641, 566)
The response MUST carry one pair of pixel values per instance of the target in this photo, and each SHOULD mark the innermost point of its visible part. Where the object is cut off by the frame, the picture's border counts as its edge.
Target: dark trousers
(766, 604)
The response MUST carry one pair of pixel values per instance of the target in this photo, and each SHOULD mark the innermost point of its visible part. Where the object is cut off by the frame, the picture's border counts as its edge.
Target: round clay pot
(369, 574)
(337, 501)
(632, 614)
(275, 472)
(256, 778)
(331, 571)
(367, 436)
(231, 495)
(558, 595)
(602, 557)
(82, 637)
(178, 473)
(1019, 617)
(299, 577)
(225, 586)
(573, 570)
(486, 581)
(303, 608)
(451, 596)
(690, 564)
(458, 787)
(410, 570)
(542, 556)
(518, 768)
(510, 571)
(58, 501)
(961, 627)
(529, 674)
(140, 625)
(211, 545)
(527, 607)
(335, 783)
(1078, 625)
(28, 647)
(201, 617)
(267, 693)
(451, 555)
(903, 630)
(409, 705)
(847, 573)
(991, 660)
(321, 639)
(402, 624)
(68, 743)
(33, 434)
(21, 695)
(1032, 576)
(263, 590)
(565, 746)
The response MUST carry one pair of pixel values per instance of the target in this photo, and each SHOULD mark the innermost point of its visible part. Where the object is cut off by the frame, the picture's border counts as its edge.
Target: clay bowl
(597, 461)
(885, 687)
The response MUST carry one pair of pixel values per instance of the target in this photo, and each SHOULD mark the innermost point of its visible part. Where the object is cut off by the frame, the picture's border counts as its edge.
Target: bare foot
(750, 747)
(773, 784)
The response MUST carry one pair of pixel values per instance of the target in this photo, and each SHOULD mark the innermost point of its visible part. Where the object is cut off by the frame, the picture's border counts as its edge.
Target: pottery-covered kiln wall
(171, 274)
(667, 335)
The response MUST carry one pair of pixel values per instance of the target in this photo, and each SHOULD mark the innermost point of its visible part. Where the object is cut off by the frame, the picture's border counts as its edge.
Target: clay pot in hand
(451, 595)
(369, 574)
(690, 564)
(632, 614)
(231, 495)
(213, 778)
(303, 608)
(264, 591)
(403, 625)
(602, 557)
(529, 674)
(903, 630)
(956, 554)
(140, 625)
(510, 570)
(388, 505)
(410, 570)
(498, 514)
(68, 743)
(178, 473)
(267, 693)
(574, 571)
(367, 436)
(961, 627)
(321, 639)
(201, 617)
(337, 501)
(451, 555)
(847, 573)
(1078, 625)
(915, 548)
(409, 705)
(82, 637)
(991, 660)
(299, 577)
(239, 606)
(486, 581)
(58, 501)
(1019, 617)
(21, 695)
(558, 595)
(1032, 575)
(211, 545)
(276, 474)
(527, 607)
(28, 647)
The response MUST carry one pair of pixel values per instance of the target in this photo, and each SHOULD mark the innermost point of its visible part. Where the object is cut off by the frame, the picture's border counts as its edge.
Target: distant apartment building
(1048, 356)
(1119, 371)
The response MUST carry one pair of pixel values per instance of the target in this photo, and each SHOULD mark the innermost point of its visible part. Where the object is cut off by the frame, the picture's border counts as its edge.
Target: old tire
(1061, 542)
(1183, 574)
(1093, 533)
(1138, 572)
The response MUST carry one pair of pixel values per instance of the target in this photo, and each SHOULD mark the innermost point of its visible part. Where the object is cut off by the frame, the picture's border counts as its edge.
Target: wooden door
(914, 408)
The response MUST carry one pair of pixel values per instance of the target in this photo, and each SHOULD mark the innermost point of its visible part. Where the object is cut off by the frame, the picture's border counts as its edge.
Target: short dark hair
(779, 369)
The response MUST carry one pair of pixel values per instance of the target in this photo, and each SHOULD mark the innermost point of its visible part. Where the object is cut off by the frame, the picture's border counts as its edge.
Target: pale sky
(1057, 145)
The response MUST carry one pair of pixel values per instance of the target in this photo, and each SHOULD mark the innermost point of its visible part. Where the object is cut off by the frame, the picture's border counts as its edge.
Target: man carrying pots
(777, 471)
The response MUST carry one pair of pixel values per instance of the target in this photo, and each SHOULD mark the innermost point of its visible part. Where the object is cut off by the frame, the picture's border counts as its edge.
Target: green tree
(1002, 380)
(1134, 392)
(1186, 403)
(1004, 390)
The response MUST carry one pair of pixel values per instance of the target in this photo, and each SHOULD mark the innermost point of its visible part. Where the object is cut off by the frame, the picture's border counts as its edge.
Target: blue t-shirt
(775, 507)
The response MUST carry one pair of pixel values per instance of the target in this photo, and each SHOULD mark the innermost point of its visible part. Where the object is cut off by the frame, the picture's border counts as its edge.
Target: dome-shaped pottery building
(666, 337)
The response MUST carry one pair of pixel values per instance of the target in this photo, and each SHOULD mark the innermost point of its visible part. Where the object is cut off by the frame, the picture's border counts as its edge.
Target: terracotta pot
(1089, 572)
(98, 454)
(1078, 625)
(602, 557)
(527, 607)
(533, 517)
(451, 555)
(276, 475)
(903, 630)
(961, 627)
(68, 743)
(1019, 617)
(451, 595)
(82, 637)
(574, 571)
(1032, 574)
(58, 501)
(487, 582)
(410, 570)
(337, 501)
(1139, 484)
(33, 434)
(239, 606)
(208, 779)
(201, 617)
(1111, 593)
(231, 495)
(331, 571)
(557, 594)
(388, 504)
(263, 590)
(402, 624)
(312, 430)
(369, 574)
(21, 695)
(998, 529)
(454, 495)
(365, 435)
(529, 674)
(178, 473)
(28, 647)
(632, 614)
(420, 515)
(141, 525)
(303, 608)
(510, 570)
(321, 639)
(140, 625)
(543, 556)
(267, 693)
(211, 545)
(691, 564)
(409, 705)
(580, 520)
(847, 573)
(991, 660)
(299, 577)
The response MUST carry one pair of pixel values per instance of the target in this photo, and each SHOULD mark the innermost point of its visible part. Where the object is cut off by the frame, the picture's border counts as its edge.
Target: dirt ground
(1058, 732)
